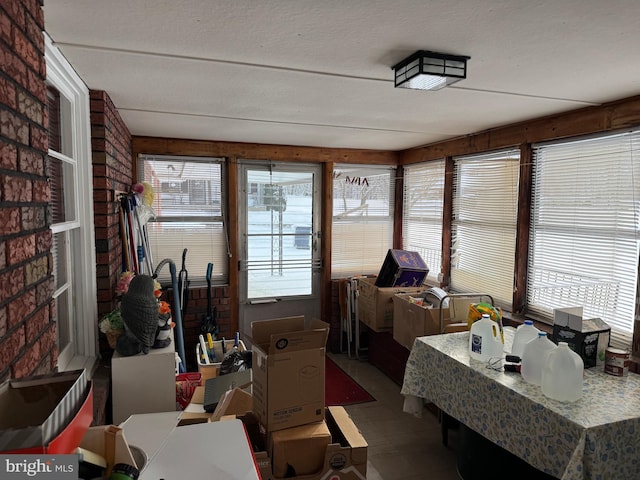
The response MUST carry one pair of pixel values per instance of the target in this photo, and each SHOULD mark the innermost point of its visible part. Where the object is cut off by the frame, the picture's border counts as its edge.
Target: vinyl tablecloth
(594, 438)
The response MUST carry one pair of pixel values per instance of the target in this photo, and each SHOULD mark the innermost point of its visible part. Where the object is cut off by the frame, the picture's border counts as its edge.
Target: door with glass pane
(280, 242)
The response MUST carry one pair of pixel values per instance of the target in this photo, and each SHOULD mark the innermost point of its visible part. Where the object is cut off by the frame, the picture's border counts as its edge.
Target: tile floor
(401, 446)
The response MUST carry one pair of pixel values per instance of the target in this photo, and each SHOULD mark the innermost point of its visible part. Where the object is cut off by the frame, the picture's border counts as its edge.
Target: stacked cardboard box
(288, 392)
(292, 433)
(375, 304)
(302, 437)
(288, 371)
(415, 317)
(345, 457)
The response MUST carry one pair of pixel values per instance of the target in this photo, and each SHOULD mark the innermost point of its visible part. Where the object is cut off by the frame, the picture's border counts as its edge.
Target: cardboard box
(212, 370)
(402, 268)
(299, 450)
(216, 388)
(587, 337)
(412, 320)
(234, 402)
(45, 413)
(344, 458)
(288, 371)
(109, 442)
(375, 304)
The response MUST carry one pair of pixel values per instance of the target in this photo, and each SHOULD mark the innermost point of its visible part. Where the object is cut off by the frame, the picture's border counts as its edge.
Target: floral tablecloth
(596, 437)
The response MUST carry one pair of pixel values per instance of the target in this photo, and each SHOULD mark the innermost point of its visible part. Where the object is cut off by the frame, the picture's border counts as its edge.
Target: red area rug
(341, 389)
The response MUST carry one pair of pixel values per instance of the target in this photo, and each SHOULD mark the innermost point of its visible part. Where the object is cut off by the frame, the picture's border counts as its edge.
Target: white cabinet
(143, 383)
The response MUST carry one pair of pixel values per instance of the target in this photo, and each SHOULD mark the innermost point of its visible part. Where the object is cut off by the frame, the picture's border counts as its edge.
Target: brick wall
(112, 172)
(27, 312)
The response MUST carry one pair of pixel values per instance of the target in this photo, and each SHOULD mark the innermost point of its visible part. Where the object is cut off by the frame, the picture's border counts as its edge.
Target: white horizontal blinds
(423, 199)
(584, 229)
(280, 242)
(188, 207)
(362, 228)
(483, 230)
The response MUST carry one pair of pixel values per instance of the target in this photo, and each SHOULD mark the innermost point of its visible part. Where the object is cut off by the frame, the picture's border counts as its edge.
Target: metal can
(616, 362)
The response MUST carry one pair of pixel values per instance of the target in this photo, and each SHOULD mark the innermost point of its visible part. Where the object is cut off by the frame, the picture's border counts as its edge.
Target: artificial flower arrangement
(112, 324)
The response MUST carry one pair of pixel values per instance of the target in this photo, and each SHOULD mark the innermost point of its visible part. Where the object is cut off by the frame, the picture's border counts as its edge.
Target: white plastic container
(485, 340)
(562, 374)
(534, 357)
(524, 334)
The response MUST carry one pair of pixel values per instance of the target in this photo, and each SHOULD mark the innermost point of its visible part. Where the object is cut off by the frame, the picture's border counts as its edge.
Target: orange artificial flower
(164, 307)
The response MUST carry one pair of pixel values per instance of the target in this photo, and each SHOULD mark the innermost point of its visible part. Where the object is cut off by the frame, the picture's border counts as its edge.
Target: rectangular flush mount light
(425, 70)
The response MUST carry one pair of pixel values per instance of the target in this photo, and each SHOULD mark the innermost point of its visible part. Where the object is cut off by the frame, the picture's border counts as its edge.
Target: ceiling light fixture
(425, 70)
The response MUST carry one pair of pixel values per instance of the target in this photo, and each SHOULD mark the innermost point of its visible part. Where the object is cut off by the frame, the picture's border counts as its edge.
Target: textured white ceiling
(318, 73)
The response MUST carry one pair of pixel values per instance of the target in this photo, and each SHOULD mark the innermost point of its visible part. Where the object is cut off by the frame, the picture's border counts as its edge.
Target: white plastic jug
(562, 374)
(485, 340)
(524, 334)
(534, 357)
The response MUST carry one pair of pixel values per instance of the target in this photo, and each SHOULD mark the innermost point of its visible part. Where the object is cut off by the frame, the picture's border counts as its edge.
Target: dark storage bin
(480, 459)
(302, 238)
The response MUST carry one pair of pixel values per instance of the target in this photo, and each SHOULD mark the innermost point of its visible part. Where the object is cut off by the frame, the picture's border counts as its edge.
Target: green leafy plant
(112, 321)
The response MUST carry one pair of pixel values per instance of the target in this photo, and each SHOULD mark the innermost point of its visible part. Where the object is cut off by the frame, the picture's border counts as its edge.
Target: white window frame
(362, 248)
(422, 213)
(82, 351)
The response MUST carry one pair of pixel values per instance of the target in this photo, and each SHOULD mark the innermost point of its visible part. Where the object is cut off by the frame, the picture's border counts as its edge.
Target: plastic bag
(186, 384)
(477, 309)
(235, 361)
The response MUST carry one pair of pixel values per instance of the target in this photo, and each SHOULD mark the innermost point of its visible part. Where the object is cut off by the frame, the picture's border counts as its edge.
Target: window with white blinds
(362, 225)
(585, 229)
(423, 199)
(485, 205)
(189, 214)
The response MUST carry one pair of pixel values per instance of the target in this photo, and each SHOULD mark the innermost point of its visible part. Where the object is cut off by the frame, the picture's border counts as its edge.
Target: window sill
(516, 320)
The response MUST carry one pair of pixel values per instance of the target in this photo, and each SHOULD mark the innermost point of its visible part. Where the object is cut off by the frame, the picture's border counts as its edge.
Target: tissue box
(587, 337)
(402, 268)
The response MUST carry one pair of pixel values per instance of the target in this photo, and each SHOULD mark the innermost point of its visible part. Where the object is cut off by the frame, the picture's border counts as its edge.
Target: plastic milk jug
(534, 357)
(524, 334)
(562, 374)
(485, 340)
